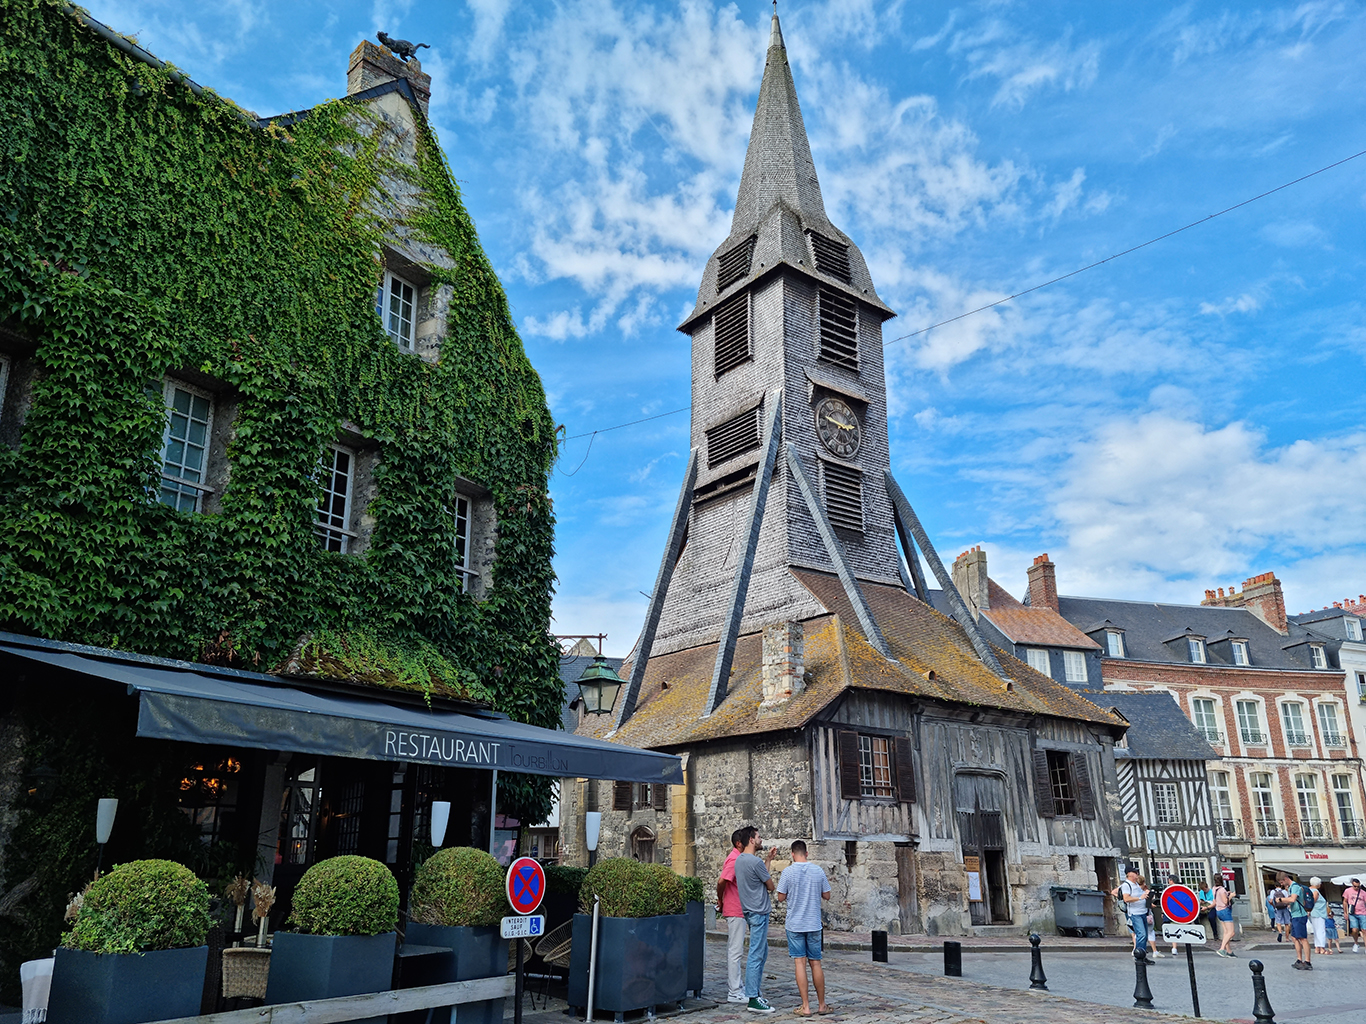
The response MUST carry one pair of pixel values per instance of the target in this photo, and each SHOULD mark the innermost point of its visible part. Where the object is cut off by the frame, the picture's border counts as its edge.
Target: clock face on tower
(838, 427)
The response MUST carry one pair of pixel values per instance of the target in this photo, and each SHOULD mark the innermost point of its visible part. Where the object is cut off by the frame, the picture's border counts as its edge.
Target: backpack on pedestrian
(1307, 898)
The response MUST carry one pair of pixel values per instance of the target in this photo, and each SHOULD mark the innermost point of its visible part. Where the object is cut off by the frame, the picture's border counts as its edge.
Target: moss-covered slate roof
(838, 659)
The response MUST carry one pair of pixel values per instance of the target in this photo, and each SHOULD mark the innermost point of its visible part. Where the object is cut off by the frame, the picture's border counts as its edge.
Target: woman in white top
(1318, 917)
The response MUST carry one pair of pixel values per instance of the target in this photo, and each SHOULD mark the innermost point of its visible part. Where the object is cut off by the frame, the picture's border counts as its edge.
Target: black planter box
(126, 988)
(642, 962)
(325, 966)
(697, 946)
(475, 953)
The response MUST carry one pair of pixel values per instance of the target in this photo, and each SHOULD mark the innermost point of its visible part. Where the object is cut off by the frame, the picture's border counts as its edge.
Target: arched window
(643, 845)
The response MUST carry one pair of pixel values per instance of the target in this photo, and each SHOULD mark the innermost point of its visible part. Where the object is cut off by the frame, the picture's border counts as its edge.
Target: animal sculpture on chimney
(401, 47)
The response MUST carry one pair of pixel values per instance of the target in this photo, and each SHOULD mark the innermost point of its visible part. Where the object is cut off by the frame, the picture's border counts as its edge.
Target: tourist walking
(1278, 912)
(1133, 895)
(754, 884)
(1354, 903)
(1318, 916)
(1223, 912)
(728, 906)
(1294, 900)
(803, 886)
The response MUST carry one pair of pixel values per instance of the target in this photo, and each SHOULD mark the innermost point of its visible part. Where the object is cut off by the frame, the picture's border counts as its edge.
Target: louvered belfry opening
(733, 438)
(844, 496)
(730, 324)
(839, 328)
(734, 265)
(831, 257)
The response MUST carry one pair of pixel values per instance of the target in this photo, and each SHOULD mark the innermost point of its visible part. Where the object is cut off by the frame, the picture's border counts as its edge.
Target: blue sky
(1181, 418)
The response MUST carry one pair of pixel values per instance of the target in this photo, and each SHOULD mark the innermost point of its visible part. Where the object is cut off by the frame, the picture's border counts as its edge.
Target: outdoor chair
(554, 949)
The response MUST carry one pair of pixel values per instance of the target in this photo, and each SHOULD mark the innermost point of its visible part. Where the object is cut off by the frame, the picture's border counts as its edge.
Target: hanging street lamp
(599, 686)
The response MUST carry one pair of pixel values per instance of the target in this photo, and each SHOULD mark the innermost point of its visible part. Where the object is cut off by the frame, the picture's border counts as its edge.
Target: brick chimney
(1043, 584)
(1261, 595)
(970, 577)
(373, 65)
(784, 663)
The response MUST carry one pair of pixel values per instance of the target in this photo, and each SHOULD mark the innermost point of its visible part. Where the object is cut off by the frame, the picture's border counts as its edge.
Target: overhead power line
(1016, 295)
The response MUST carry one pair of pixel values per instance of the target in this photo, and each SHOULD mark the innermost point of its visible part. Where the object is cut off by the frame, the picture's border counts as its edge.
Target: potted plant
(345, 916)
(562, 885)
(642, 937)
(137, 951)
(694, 895)
(459, 897)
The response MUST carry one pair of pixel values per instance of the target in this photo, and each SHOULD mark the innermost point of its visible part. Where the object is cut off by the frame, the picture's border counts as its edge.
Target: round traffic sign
(525, 885)
(1180, 904)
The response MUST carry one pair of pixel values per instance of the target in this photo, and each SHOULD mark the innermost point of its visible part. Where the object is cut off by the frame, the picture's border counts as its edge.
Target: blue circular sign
(526, 885)
(1180, 904)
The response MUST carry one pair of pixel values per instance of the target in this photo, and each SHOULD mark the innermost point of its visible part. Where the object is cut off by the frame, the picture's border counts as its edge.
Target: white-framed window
(875, 766)
(4, 382)
(1166, 803)
(1240, 652)
(461, 543)
(1206, 719)
(1347, 814)
(1353, 625)
(1264, 807)
(1328, 726)
(1317, 656)
(1307, 793)
(1114, 643)
(1361, 687)
(394, 306)
(1195, 647)
(333, 517)
(1161, 871)
(1038, 659)
(1221, 802)
(185, 447)
(1194, 873)
(1250, 722)
(1074, 666)
(1292, 718)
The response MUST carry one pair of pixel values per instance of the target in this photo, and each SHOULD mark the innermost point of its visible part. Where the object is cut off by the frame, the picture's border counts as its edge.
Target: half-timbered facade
(793, 657)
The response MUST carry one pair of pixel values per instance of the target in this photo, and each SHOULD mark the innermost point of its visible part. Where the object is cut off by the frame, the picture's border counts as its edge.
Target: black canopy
(205, 704)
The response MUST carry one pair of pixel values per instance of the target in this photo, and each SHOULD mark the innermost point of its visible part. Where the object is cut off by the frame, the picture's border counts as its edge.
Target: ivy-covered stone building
(275, 534)
(791, 654)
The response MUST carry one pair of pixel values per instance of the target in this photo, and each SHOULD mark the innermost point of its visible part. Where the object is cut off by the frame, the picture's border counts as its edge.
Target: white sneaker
(1159, 954)
(1356, 948)
(742, 998)
(1174, 953)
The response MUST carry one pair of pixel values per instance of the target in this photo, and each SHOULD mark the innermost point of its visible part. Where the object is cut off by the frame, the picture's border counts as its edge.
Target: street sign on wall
(525, 885)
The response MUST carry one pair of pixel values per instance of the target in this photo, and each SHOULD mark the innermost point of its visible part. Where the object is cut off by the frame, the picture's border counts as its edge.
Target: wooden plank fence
(374, 1004)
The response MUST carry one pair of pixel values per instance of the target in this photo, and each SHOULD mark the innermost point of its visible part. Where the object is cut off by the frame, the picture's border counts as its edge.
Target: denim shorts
(1226, 914)
(1299, 927)
(1356, 921)
(804, 944)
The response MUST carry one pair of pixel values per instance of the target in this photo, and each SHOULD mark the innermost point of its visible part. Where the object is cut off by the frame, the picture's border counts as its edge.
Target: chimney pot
(970, 579)
(783, 668)
(373, 65)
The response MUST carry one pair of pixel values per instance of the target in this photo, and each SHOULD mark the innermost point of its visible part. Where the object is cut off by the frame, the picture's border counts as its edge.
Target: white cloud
(1024, 66)
(489, 16)
(1244, 303)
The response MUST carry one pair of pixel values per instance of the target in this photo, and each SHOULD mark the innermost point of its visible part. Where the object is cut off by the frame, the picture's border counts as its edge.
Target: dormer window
(1353, 629)
(1074, 666)
(394, 304)
(1114, 643)
(1195, 647)
(1239, 648)
(1037, 658)
(1317, 656)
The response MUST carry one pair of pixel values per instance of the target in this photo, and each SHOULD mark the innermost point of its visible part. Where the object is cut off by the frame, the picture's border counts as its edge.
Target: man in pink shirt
(728, 905)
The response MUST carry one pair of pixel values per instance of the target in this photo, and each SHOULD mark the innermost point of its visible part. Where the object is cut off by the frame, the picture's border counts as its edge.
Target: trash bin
(1078, 911)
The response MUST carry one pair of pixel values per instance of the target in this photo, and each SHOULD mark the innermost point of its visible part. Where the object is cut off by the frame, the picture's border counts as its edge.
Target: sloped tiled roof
(1024, 624)
(838, 658)
(1158, 728)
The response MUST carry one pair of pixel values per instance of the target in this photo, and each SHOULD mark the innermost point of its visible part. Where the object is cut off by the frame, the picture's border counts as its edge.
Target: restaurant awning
(205, 704)
(1337, 873)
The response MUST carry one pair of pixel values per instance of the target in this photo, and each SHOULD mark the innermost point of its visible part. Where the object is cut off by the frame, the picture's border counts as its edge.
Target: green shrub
(628, 888)
(346, 896)
(563, 879)
(142, 906)
(460, 886)
(694, 890)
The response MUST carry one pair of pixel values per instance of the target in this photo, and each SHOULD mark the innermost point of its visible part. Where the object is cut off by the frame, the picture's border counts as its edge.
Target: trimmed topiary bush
(563, 879)
(141, 907)
(631, 889)
(694, 890)
(459, 887)
(346, 896)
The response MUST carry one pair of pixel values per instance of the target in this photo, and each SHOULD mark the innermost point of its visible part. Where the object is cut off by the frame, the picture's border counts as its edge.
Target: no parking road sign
(525, 885)
(1180, 904)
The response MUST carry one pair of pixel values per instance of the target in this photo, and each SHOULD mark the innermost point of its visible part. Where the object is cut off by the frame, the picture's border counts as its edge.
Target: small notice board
(973, 866)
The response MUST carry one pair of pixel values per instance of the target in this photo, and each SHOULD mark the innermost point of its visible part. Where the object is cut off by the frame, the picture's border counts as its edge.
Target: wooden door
(908, 899)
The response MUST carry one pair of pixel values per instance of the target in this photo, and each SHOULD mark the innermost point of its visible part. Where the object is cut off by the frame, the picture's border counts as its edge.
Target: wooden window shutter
(905, 770)
(1081, 782)
(660, 795)
(621, 796)
(1043, 785)
(850, 787)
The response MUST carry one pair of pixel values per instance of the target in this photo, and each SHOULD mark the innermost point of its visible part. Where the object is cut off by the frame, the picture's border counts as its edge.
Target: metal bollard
(1037, 979)
(1143, 995)
(879, 947)
(953, 959)
(1262, 1012)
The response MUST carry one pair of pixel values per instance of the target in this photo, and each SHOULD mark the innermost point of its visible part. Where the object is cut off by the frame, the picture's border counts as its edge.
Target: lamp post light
(599, 686)
(592, 828)
(104, 824)
(441, 816)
